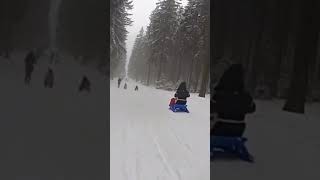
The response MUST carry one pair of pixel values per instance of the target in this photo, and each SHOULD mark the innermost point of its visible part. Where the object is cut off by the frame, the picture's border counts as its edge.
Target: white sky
(140, 16)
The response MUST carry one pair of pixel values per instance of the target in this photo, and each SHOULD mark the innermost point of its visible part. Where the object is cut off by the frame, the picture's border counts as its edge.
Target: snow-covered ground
(285, 146)
(149, 142)
(52, 134)
(59, 134)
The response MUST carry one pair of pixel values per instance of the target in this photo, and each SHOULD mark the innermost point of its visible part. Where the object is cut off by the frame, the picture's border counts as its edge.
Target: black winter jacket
(232, 105)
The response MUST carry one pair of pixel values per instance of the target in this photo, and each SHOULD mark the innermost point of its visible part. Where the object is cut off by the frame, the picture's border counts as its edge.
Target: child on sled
(180, 97)
(229, 105)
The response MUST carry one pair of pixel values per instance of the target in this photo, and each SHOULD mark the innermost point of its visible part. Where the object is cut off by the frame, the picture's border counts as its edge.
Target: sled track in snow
(165, 161)
(156, 141)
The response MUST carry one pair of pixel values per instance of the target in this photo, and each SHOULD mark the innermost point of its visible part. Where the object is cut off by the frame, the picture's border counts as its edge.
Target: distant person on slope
(119, 82)
(182, 94)
(30, 60)
(125, 86)
(230, 104)
(85, 84)
(49, 79)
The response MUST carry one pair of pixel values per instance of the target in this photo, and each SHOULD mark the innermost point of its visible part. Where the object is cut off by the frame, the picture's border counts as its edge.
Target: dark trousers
(228, 129)
(181, 102)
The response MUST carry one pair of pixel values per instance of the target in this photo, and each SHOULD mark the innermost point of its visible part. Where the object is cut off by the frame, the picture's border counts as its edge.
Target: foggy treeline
(119, 19)
(174, 47)
(276, 41)
(81, 28)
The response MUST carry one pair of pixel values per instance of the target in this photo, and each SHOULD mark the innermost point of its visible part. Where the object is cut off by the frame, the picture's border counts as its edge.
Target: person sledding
(178, 103)
(229, 104)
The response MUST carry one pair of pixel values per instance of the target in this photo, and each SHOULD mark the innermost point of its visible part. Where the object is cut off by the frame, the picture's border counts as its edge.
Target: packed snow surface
(52, 134)
(150, 142)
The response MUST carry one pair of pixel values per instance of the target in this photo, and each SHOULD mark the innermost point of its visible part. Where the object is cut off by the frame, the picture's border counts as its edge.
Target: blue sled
(179, 108)
(229, 145)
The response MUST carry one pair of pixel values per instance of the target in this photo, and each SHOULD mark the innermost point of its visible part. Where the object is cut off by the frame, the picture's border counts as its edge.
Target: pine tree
(118, 34)
(162, 30)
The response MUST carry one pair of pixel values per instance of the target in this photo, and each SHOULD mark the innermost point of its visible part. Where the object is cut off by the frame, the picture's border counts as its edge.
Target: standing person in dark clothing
(230, 104)
(182, 94)
(119, 82)
(30, 60)
(49, 79)
(125, 86)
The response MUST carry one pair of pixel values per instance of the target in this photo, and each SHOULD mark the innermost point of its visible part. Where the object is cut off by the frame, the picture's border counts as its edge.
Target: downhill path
(52, 134)
(149, 142)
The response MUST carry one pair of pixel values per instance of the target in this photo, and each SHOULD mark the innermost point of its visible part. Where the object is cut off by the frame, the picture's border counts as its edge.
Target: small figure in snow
(125, 86)
(49, 79)
(182, 94)
(136, 88)
(85, 84)
(230, 104)
(30, 60)
(119, 82)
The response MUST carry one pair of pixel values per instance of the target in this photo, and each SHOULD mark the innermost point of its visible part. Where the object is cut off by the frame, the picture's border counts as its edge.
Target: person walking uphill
(119, 82)
(182, 94)
(29, 61)
(230, 104)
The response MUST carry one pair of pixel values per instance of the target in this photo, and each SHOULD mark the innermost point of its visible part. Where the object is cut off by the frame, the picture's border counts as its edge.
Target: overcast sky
(140, 16)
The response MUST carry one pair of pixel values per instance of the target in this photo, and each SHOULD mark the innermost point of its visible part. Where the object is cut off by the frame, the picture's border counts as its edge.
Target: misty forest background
(173, 48)
(276, 41)
(78, 30)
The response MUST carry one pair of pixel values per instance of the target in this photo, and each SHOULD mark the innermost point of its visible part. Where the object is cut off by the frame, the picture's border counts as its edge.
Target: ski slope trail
(150, 142)
(52, 134)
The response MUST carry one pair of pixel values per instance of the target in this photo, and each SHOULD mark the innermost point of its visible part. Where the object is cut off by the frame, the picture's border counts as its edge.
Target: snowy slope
(52, 134)
(285, 146)
(149, 142)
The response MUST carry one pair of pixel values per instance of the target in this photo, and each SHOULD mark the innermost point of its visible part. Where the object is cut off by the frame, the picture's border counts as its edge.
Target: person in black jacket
(230, 103)
(182, 94)
(119, 82)
(49, 79)
(29, 61)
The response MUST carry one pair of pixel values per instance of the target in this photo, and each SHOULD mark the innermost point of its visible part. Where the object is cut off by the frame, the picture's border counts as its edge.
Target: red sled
(172, 102)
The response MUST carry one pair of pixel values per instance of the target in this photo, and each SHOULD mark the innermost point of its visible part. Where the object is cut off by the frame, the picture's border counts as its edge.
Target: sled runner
(229, 145)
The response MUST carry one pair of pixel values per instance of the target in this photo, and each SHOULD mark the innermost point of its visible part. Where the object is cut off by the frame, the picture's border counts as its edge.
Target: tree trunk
(179, 69)
(191, 72)
(197, 80)
(205, 79)
(149, 70)
(160, 71)
(305, 52)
